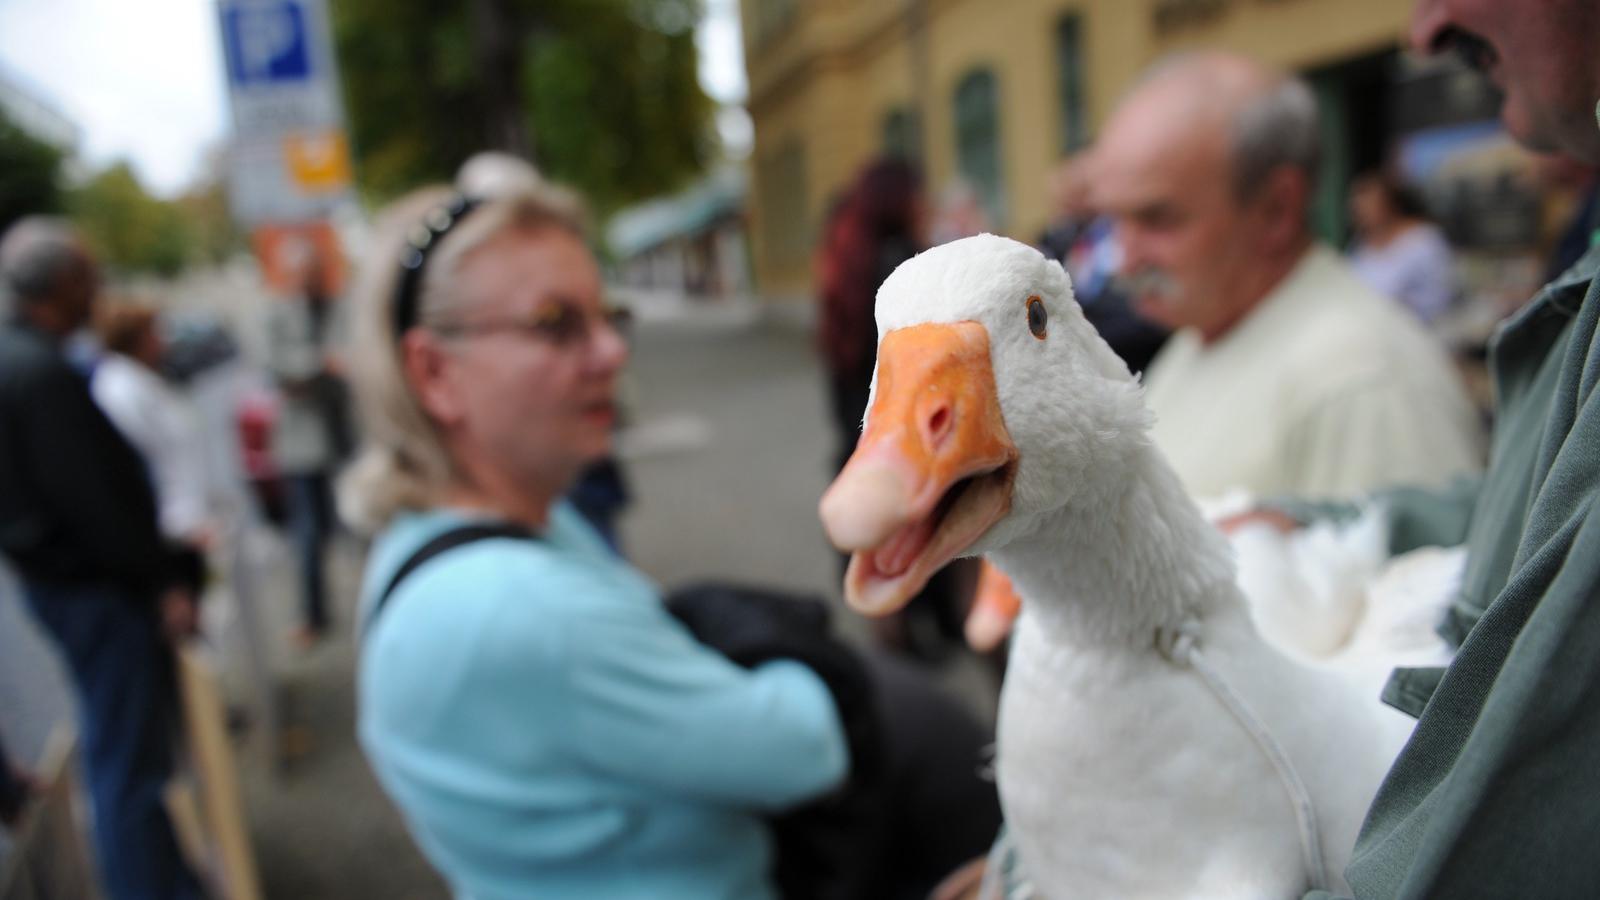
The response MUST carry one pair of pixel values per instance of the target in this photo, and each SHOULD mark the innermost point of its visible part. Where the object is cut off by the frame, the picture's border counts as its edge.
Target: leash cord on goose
(1181, 646)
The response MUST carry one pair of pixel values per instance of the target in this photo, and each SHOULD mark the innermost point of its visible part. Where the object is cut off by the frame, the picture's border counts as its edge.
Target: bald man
(1286, 375)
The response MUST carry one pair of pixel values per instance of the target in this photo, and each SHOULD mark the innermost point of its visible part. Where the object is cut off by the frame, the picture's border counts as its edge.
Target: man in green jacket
(1497, 794)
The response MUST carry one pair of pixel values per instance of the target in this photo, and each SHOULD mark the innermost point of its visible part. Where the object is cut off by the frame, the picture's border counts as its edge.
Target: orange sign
(318, 162)
(292, 255)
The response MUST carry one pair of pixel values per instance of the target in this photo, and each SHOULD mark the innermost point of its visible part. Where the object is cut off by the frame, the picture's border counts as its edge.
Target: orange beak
(931, 473)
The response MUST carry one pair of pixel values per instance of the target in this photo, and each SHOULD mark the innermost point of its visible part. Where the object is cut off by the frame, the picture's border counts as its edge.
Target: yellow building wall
(1019, 48)
(828, 79)
(827, 152)
(1294, 34)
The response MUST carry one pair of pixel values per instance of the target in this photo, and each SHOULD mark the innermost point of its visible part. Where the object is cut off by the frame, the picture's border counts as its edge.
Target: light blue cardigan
(549, 731)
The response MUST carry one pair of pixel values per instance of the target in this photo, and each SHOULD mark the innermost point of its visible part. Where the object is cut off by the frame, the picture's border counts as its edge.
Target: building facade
(993, 93)
(24, 106)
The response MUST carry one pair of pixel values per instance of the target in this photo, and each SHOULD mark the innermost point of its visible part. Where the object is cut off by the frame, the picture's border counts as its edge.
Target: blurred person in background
(1084, 242)
(79, 522)
(1397, 251)
(1580, 229)
(1207, 167)
(155, 418)
(958, 214)
(601, 493)
(874, 228)
(545, 725)
(312, 434)
(1068, 187)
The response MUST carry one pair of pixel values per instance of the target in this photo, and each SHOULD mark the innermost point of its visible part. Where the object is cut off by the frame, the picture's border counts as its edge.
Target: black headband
(422, 238)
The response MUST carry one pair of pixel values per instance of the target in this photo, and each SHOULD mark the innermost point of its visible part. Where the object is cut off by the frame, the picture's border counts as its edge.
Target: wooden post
(226, 832)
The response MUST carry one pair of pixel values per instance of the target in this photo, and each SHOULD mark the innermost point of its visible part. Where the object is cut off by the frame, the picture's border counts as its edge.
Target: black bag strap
(444, 543)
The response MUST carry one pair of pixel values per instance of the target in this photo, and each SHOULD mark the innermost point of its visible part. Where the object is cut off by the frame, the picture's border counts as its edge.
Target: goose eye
(1038, 317)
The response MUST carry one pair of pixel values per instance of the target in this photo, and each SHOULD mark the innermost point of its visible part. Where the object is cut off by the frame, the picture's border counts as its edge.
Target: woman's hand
(180, 614)
(965, 883)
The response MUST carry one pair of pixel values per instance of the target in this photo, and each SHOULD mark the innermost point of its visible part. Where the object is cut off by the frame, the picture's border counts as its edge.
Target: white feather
(1331, 595)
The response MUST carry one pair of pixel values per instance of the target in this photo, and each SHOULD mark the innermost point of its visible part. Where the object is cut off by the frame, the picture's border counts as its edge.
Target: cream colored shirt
(1325, 389)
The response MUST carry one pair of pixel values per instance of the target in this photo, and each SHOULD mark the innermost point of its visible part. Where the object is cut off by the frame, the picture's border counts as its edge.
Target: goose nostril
(937, 425)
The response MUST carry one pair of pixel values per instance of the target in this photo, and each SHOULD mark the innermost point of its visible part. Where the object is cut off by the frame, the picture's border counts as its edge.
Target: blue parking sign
(266, 43)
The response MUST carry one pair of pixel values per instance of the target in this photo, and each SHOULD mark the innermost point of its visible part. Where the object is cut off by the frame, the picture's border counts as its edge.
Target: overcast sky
(143, 79)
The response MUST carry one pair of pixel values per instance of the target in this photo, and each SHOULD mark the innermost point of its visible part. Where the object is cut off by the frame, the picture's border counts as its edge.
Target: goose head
(994, 404)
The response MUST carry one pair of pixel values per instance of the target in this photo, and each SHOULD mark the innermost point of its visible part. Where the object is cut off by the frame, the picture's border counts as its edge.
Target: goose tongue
(894, 558)
(901, 550)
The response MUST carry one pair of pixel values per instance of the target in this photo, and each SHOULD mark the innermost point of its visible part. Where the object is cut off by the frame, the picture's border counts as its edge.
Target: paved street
(727, 454)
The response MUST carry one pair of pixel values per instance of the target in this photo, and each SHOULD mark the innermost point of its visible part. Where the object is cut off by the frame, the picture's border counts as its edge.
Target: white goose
(1150, 743)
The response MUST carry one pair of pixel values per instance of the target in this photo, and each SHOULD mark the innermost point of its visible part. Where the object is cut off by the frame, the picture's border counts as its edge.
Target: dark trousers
(600, 496)
(123, 673)
(13, 790)
(311, 524)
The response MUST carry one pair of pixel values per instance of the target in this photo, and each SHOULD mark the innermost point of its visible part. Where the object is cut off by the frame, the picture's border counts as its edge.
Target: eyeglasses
(561, 325)
(419, 240)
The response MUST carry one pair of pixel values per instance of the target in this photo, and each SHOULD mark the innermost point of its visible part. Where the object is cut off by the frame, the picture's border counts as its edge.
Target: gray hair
(36, 253)
(403, 464)
(1279, 128)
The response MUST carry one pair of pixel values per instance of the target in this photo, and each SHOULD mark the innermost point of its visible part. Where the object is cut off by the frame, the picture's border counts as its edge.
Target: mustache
(1471, 49)
(1146, 282)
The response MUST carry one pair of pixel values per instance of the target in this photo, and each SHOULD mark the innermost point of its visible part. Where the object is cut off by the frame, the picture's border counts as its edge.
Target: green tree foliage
(129, 229)
(213, 234)
(604, 92)
(30, 175)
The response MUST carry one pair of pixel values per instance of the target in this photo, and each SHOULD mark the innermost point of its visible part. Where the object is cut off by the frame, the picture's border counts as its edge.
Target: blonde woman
(546, 727)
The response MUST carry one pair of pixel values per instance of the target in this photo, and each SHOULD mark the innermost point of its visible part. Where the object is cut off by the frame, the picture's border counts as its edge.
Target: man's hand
(995, 606)
(180, 614)
(206, 537)
(1271, 518)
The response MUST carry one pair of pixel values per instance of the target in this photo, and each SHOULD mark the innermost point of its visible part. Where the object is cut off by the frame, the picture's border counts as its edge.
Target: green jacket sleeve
(1418, 517)
(1514, 816)
(1493, 795)
(1430, 518)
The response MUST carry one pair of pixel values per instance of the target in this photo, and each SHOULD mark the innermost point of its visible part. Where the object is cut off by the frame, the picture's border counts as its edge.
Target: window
(772, 17)
(784, 221)
(1069, 83)
(978, 141)
(902, 134)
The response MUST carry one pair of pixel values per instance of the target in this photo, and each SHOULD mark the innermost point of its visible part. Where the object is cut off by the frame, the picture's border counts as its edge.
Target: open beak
(931, 473)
